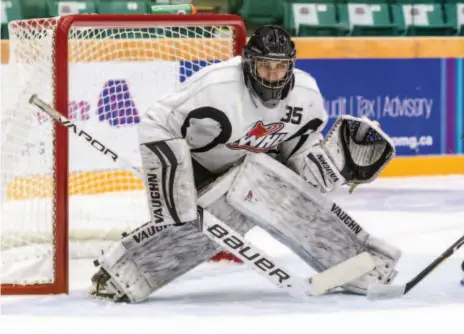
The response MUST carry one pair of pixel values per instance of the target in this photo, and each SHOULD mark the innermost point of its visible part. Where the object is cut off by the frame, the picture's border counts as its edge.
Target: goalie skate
(104, 287)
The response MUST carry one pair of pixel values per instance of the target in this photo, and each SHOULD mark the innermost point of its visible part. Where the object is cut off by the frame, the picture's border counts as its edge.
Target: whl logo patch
(260, 138)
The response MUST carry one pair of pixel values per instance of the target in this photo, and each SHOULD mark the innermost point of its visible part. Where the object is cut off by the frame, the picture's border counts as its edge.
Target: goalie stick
(379, 291)
(220, 232)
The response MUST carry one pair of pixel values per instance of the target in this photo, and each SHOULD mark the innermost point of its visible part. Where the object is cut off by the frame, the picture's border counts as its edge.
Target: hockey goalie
(242, 139)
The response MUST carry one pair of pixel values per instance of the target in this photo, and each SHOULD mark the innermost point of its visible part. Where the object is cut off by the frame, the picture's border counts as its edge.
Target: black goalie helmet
(268, 60)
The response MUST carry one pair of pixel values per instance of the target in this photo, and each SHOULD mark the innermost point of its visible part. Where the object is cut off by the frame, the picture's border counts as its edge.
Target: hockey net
(60, 199)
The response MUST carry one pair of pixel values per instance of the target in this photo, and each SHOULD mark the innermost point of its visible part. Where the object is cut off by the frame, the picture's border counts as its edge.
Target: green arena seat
(33, 9)
(313, 19)
(367, 18)
(123, 7)
(11, 11)
(421, 19)
(261, 11)
(455, 16)
(66, 7)
(234, 6)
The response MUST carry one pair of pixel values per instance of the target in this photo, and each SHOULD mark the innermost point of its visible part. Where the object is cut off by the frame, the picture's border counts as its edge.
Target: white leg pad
(308, 222)
(126, 278)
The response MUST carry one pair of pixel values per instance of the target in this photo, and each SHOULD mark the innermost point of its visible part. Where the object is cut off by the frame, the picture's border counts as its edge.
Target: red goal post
(49, 57)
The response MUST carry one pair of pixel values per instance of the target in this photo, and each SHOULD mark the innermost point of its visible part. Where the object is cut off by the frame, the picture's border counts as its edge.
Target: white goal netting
(114, 74)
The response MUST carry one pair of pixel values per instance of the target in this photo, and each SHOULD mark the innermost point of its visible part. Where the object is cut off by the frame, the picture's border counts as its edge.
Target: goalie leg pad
(151, 257)
(310, 224)
(169, 180)
(138, 269)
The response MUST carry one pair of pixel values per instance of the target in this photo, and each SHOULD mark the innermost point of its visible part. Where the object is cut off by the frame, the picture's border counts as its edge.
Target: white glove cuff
(320, 171)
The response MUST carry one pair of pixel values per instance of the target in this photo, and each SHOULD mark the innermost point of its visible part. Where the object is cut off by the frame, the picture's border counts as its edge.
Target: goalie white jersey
(221, 121)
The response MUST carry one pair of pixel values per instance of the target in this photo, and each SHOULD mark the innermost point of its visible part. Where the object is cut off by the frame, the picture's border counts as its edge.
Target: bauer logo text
(248, 253)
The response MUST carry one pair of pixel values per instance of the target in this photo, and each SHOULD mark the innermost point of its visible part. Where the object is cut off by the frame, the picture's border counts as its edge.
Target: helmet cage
(257, 61)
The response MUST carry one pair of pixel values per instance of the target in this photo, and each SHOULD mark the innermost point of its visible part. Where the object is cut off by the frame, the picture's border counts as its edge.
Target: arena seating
(300, 17)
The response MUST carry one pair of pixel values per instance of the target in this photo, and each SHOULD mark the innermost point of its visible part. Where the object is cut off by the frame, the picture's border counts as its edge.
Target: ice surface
(422, 216)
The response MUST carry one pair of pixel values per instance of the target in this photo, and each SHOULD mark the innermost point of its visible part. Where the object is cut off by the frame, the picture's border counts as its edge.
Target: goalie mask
(268, 61)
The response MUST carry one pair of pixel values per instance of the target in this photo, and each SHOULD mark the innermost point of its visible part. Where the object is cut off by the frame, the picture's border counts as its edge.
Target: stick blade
(341, 274)
(381, 291)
